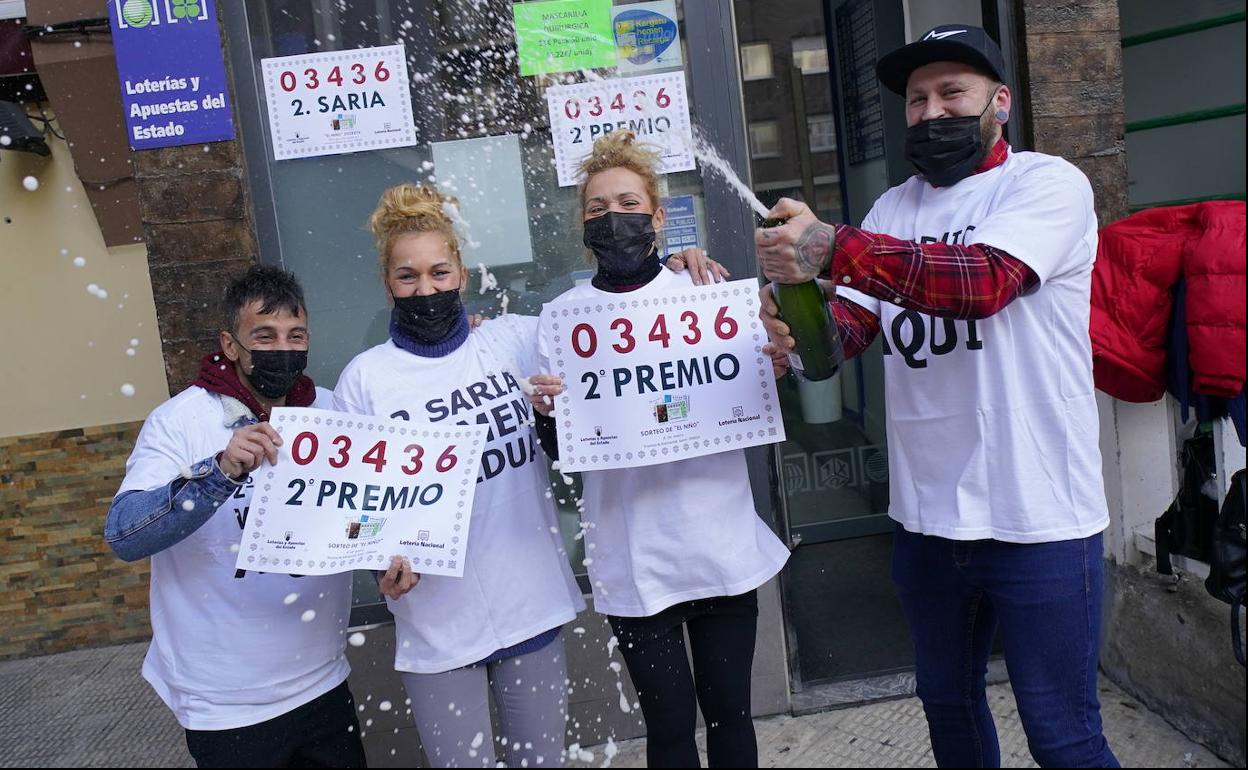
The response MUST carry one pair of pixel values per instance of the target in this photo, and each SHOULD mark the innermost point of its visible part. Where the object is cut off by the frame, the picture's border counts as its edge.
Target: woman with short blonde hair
(678, 546)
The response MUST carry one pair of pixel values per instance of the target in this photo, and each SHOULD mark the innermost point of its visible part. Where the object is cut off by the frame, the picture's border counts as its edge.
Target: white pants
(452, 711)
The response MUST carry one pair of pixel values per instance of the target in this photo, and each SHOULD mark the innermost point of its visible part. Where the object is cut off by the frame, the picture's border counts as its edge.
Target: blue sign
(172, 72)
(680, 228)
(647, 36)
(643, 36)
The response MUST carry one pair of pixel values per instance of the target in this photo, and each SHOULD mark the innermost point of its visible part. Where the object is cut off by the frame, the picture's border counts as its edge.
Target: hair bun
(413, 208)
(621, 149)
(410, 206)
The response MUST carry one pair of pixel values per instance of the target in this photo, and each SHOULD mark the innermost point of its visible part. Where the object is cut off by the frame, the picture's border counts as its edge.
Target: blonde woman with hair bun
(498, 627)
(678, 547)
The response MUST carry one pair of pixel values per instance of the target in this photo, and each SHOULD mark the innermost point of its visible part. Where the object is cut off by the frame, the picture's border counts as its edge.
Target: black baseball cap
(948, 42)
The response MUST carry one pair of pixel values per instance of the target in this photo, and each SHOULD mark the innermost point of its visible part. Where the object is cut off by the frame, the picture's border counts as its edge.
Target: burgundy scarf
(218, 375)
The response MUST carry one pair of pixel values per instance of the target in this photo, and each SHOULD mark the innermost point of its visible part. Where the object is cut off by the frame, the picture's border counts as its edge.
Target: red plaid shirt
(945, 280)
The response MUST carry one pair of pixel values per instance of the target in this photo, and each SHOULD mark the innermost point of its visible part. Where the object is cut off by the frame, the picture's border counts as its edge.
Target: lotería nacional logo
(137, 14)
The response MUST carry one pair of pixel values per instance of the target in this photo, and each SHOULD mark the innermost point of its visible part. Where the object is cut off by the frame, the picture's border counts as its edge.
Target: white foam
(709, 156)
(488, 281)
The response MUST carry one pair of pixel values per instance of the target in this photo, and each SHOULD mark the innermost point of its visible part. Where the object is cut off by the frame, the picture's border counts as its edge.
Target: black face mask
(625, 247)
(946, 150)
(429, 319)
(273, 372)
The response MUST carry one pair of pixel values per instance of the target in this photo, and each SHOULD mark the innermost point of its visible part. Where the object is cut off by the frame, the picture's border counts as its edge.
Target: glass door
(817, 132)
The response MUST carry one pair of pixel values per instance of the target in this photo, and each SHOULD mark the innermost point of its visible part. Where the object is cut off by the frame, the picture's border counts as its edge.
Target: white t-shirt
(229, 651)
(517, 582)
(992, 424)
(664, 534)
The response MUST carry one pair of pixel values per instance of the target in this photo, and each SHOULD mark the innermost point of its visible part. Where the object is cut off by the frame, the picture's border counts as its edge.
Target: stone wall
(197, 224)
(1071, 62)
(62, 586)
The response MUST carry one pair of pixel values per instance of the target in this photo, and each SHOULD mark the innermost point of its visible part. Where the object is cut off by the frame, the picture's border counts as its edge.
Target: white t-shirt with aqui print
(664, 534)
(230, 650)
(517, 582)
(992, 424)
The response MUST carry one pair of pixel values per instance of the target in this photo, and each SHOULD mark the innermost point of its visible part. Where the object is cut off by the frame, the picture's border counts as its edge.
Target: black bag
(1230, 553)
(1188, 525)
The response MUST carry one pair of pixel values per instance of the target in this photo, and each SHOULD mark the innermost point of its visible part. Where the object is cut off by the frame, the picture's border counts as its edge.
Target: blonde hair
(620, 149)
(410, 208)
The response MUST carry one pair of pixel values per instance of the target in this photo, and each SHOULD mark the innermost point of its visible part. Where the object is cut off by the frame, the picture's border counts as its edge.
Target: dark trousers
(1046, 600)
(321, 733)
(721, 640)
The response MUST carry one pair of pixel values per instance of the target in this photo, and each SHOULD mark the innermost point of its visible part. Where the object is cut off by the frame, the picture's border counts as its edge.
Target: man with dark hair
(978, 273)
(251, 664)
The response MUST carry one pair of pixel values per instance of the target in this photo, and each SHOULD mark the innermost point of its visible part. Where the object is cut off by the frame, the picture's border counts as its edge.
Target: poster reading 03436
(662, 377)
(337, 102)
(350, 491)
(654, 107)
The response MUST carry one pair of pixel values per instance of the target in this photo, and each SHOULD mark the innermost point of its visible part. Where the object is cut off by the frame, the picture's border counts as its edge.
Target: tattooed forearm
(814, 248)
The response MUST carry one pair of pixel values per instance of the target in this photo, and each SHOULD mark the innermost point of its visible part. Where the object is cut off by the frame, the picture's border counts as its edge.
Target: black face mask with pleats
(273, 372)
(624, 244)
(947, 150)
(428, 319)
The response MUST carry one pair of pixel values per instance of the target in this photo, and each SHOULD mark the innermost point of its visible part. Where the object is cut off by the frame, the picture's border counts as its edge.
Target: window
(822, 132)
(828, 202)
(764, 139)
(755, 61)
(484, 136)
(810, 55)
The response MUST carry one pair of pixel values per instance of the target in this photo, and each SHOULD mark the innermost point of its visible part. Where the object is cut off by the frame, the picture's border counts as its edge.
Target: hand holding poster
(661, 377)
(350, 491)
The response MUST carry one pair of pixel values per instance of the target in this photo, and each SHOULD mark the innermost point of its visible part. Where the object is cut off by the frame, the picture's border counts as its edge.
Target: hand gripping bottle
(817, 355)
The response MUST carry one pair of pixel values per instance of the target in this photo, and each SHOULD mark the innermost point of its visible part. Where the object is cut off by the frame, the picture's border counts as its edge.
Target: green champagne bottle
(818, 354)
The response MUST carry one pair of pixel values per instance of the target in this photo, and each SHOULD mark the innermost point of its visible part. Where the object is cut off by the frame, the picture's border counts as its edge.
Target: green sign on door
(564, 35)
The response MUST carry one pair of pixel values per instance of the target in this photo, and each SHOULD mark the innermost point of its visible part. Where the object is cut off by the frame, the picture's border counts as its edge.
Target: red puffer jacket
(1138, 261)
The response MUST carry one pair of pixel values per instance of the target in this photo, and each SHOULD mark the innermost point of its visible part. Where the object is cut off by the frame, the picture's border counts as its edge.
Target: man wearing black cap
(978, 271)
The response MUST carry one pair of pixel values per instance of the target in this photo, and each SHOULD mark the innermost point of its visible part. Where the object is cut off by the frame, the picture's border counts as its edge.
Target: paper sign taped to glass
(647, 36)
(654, 107)
(336, 102)
(350, 491)
(662, 377)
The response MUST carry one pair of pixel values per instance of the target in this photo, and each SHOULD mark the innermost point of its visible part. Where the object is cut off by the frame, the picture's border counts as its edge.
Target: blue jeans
(1046, 600)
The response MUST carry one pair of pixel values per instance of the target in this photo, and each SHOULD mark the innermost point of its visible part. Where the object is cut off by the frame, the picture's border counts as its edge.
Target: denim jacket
(143, 522)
